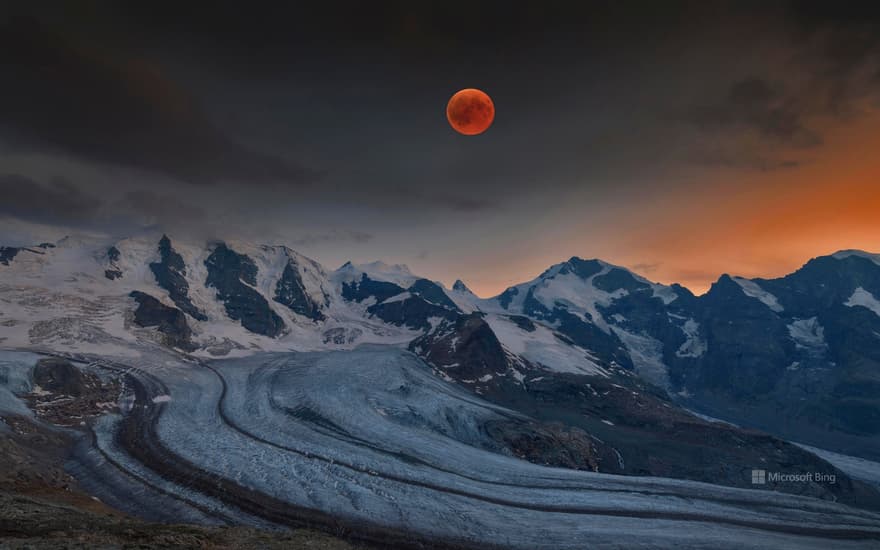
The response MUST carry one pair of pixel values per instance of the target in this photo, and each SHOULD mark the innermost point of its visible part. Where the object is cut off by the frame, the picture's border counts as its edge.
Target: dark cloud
(427, 198)
(460, 204)
(56, 202)
(150, 208)
(600, 105)
(62, 202)
(62, 93)
(755, 157)
(332, 237)
(753, 103)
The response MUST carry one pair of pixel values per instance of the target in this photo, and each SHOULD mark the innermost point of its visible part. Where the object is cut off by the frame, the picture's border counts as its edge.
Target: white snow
(752, 289)
(647, 356)
(579, 296)
(398, 298)
(398, 274)
(808, 334)
(59, 299)
(863, 298)
(694, 346)
(542, 347)
(467, 301)
(665, 293)
(860, 253)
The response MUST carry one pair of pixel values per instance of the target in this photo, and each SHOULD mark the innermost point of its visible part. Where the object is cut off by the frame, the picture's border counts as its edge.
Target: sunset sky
(680, 139)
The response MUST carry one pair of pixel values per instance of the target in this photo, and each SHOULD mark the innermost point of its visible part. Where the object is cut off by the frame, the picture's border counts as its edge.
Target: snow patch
(398, 298)
(863, 298)
(543, 347)
(647, 356)
(750, 288)
(808, 334)
(859, 253)
(694, 346)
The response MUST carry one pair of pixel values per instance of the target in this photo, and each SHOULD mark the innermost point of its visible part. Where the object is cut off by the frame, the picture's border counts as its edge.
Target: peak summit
(842, 254)
(459, 286)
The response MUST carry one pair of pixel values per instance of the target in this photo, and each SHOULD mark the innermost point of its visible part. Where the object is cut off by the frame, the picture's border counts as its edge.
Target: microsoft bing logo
(759, 477)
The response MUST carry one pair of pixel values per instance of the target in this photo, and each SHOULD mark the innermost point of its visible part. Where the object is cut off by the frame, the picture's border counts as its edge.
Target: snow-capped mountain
(806, 343)
(213, 299)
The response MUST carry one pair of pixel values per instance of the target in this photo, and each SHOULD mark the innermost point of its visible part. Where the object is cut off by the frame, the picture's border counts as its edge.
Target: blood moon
(470, 111)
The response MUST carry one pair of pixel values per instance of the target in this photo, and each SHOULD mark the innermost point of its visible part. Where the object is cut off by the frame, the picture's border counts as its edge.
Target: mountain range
(603, 369)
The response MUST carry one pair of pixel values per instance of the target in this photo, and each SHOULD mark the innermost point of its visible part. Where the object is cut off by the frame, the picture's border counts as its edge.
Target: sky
(683, 140)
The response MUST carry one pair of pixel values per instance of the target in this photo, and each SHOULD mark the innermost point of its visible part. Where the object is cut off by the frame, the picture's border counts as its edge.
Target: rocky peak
(432, 292)
(169, 321)
(234, 275)
(170, 273)
(580, 267)
(291, 292)
(459, 286)
(8, 253)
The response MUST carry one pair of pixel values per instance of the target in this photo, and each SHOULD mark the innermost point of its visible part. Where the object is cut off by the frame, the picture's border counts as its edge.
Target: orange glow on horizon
(752, 224)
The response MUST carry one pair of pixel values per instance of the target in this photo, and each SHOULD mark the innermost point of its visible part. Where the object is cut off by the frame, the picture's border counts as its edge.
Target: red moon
(470, 111)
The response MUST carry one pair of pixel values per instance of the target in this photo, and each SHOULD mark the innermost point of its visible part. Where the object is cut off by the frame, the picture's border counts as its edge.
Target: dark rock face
(809, 371)
(507, 296)
(748, 342)
(291, 293)
(170, 273)
(523, 322)
(640, 312)
(59, 376)
(113, 272)
(413, 312)
(7, 254)
(170, 321)
(432, 292)
(469, 343)
(618, 279)
(582, 268)
(549, 444)
(426, 300)
(616, 424)
(358, 291)
(460, 286)
(228, 272)
(605, 345)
